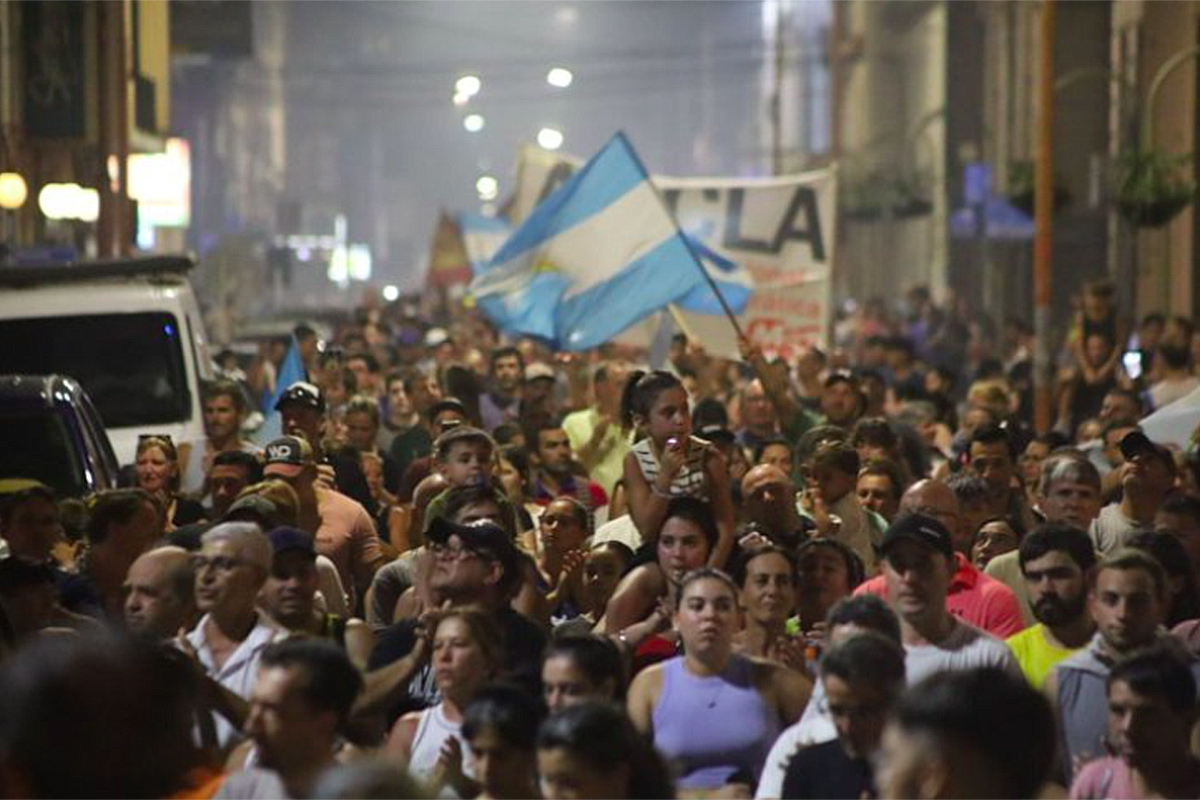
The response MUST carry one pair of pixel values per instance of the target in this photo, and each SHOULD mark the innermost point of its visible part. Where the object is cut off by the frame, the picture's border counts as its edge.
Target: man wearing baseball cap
(918, 565)
(1147, 479)
(342, 529)
(474, 564)
(302, 407)
(290, 591)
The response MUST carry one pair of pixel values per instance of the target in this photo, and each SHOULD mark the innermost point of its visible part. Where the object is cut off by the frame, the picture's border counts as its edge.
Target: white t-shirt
(1112, 529)
(240, 671)
(967, 647)
(814, 727)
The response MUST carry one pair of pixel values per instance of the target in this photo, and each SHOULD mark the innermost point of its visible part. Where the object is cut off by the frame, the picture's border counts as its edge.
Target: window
(131, 365)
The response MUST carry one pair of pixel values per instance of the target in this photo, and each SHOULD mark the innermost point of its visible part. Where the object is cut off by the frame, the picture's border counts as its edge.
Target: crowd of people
(470, 566)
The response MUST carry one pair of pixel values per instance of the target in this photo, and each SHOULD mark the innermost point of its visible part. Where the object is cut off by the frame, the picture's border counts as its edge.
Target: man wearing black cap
(842, 400)
(918, 565)
(302, 407)
(289, 593)
(342, 529)
(1147, 479)
(476, 564)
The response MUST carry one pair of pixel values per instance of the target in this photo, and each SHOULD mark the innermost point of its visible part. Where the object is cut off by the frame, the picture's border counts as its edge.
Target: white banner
(781, 229)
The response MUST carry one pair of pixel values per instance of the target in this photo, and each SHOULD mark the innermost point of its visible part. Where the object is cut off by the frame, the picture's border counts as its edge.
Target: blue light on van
(169, 329)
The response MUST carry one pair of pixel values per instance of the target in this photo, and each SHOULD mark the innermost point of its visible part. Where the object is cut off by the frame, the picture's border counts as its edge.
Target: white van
(129, 331)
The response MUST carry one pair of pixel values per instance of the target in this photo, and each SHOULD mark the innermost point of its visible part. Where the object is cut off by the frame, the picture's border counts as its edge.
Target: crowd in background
(471, 566)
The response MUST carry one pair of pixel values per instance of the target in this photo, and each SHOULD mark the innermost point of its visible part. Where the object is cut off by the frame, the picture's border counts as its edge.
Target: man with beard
(231, 472)
(303, 696)
(1068, 493)
(1128, 601)
(1055, 560)
(501, 403)
(555, 473)
(224, 412)
(769, 504)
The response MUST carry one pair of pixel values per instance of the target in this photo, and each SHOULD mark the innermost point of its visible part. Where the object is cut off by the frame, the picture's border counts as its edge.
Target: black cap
(301, 393)
(284, 539)
(920, 528)
(1135, 443)
(484, 537)
(841, 376)
(718, 434)
(446, 404)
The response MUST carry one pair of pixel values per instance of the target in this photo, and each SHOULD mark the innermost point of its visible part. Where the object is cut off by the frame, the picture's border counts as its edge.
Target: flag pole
(713, 285)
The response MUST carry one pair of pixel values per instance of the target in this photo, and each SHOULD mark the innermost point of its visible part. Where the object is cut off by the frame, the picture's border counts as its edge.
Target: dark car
(50, 432)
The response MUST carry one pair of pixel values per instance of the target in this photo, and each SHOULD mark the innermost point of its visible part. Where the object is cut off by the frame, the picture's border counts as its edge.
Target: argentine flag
(291, 370)
(734, 282)
(596, 256)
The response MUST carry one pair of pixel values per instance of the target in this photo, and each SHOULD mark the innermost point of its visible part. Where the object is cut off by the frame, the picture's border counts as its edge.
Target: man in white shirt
(305, 690)
(918, 564)
(1147, 479)
(231, 568)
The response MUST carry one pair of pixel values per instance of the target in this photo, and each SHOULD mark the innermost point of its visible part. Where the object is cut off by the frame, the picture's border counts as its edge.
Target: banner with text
(781, 229)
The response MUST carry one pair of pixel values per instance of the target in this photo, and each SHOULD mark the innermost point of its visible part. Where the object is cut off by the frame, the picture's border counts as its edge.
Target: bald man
(973, 597)
(769, 502)
(159, 594)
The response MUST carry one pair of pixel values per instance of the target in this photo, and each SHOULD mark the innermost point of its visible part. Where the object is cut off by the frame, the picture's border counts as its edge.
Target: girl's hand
(674, 456)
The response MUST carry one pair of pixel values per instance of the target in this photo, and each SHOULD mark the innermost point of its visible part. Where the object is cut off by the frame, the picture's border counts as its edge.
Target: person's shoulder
(1025, 639)
(520, 628)
(393, 643)
(876, 586)
(577, 418)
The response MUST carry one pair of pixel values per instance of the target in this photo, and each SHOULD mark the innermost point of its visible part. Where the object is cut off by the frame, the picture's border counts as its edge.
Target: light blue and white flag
(734, 281)
(482, 236)
(291, 370)
(596, 256)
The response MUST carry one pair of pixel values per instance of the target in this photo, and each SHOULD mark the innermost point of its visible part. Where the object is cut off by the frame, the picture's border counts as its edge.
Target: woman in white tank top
(466, 653)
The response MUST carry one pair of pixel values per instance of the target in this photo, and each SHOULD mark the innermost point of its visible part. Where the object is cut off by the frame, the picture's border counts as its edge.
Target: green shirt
(608, 463)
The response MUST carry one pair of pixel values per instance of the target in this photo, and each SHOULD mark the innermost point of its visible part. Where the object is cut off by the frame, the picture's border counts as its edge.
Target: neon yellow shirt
(1036, 655)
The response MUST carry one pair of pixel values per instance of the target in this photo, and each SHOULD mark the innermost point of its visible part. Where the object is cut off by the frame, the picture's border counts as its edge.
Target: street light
(473, 123)
(468, 85)
(487, 187)
(550, 138)
(391, 293)
(559, 77)
(69, 201)
(460, 99)
(13, 191)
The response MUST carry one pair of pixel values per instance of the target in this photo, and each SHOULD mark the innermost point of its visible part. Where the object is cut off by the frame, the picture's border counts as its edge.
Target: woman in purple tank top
(712, 713)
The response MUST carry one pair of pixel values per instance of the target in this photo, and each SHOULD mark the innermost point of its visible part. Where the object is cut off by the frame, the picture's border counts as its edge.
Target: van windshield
(131, 365)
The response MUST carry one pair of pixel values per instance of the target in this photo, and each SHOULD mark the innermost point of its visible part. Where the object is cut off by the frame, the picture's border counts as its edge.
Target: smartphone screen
(1133, 364)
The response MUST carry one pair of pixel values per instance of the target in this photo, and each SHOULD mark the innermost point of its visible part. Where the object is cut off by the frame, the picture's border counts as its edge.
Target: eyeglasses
(442, 551)
(219, 563)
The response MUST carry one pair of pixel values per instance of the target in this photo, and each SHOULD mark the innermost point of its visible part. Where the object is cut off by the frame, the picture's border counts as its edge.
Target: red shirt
(974, 597)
